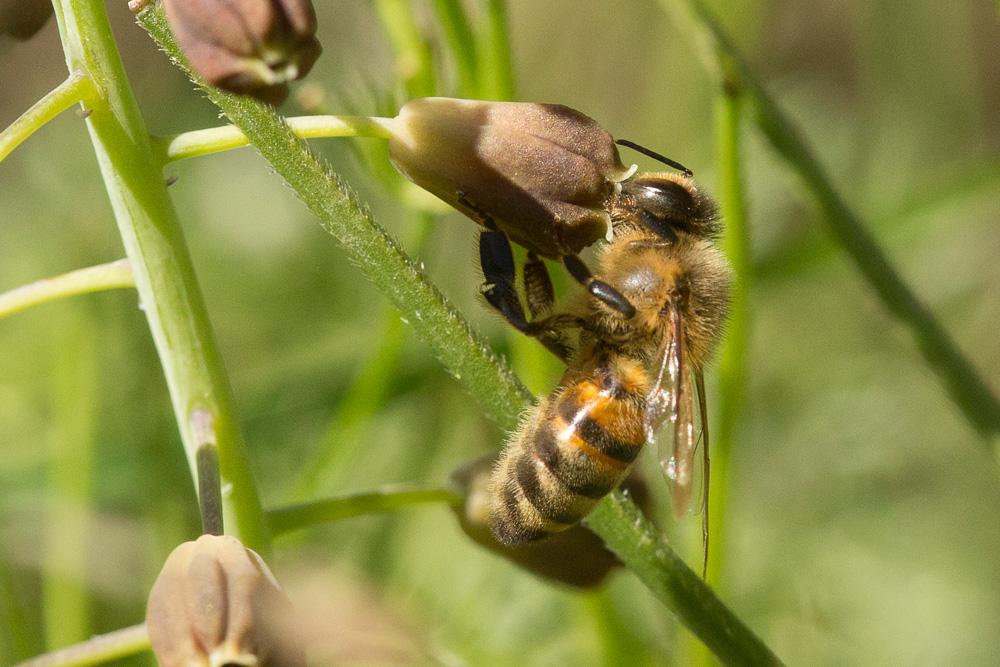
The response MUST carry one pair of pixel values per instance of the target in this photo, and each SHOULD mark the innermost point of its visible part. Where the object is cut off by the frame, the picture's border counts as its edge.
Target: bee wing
(670, 404)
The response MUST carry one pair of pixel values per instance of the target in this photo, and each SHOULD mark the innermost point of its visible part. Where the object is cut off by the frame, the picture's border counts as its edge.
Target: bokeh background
(862, 525)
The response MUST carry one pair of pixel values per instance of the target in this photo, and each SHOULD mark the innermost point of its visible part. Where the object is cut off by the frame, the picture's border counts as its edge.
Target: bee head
(668, 202)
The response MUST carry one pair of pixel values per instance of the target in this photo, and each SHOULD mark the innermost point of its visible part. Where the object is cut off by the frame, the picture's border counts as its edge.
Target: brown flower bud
(575, 556)
(542, 173)
(254, 47)
(216, 603)
(23, 18)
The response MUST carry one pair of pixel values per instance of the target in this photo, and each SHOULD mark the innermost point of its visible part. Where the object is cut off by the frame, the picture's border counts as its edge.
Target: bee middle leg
(598, 288)
(500, 291)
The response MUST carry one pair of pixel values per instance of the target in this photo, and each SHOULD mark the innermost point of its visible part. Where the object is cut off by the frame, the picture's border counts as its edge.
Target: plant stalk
(113, 275)
(76, 88)
(164, 276)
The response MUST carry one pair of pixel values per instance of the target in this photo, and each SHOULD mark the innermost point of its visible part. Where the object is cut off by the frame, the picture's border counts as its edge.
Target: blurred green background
(863, 509)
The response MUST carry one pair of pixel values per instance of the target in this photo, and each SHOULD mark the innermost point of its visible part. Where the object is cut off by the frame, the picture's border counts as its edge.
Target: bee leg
(598, 288)
(497, 260)
(537, 286)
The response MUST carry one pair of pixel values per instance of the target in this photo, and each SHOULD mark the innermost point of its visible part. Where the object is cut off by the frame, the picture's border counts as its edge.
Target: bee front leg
(499, 290)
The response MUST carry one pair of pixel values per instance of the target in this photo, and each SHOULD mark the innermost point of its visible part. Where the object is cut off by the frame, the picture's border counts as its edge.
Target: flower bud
(542, 173)
(23, 18)
(575, 556)
(216, 603)
(254, 47)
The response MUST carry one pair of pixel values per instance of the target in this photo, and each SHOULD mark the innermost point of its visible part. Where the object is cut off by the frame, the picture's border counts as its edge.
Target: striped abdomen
(576, 446)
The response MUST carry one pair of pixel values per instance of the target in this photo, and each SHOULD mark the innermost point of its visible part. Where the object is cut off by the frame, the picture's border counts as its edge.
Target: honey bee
(544, 176)
(631, 373)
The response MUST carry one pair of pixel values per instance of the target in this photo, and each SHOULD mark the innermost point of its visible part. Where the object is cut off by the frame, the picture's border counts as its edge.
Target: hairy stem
(637, 542)
(618, 521)
(164, 276)
(375, 252)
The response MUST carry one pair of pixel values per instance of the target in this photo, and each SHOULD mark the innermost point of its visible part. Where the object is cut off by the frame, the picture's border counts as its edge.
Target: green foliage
(860, 509)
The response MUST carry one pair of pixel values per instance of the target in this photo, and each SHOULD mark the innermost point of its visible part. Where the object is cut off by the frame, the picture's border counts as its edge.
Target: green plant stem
(461, 42)
(732, 367)
(374, 251)
(97, 650)
(164, 275)
(732, 371)
(637, 542)
(414, 59)
(76, 88)
(294, 517)
(967, 389)
(66, 604)
(496, 70)
(227, 137)
(113, 275)
(618, 521)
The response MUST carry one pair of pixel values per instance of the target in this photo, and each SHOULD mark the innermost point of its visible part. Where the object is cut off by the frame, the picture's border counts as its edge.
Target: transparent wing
(670, 415)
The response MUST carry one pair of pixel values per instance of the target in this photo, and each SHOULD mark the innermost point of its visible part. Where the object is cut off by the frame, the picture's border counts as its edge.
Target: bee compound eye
(666, 200)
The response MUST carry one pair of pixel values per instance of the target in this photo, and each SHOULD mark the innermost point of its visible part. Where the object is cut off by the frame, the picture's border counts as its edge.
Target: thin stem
(164, 275)
(732, 373)
(97, 650)
(414, 59)
(113, 275)
(388, 499)
(497, 72)
(70, 463)
(228, 137)
(462, 43)
(487, 380)
(209, 490)
(637, 542)
(76, 88)
(377, 255)
(965, 386)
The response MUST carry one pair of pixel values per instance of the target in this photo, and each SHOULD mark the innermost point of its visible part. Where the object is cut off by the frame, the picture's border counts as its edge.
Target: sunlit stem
(76, 88)
(228, 137)
(164, 273)
(387, 499)
(733, 355)
(113, 275)
(97, 650)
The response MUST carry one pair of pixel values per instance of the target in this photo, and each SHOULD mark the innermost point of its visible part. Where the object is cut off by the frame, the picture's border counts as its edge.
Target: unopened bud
(254, 47)
(542, 173)
(575, 556)
(23, 18)
(216, 603)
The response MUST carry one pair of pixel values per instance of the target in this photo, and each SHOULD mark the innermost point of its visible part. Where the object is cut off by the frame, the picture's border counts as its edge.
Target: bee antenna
(656, 156)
